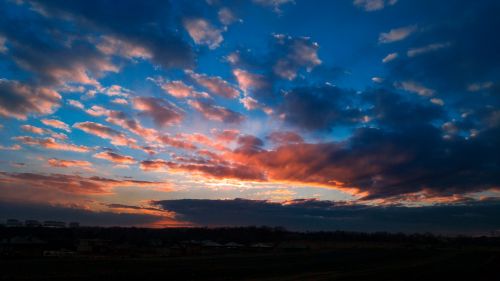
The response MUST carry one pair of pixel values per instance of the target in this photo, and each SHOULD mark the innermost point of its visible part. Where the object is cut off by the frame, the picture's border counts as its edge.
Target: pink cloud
(115, 157)
(20, 100)
(51, 143)
(203, 33)
(215, 85)
(216, 113)
(62, 163)
(164, 113)
(116, 138)
(56, 124)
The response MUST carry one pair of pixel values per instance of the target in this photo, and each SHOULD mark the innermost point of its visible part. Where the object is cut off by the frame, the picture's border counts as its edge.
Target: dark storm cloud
(398, 151)
(391, 110)
(41, 212)
(472, 217)
(319, 107)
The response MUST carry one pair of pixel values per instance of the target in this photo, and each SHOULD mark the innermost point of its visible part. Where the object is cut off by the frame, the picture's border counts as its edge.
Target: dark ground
(339, 256)
(346, 264)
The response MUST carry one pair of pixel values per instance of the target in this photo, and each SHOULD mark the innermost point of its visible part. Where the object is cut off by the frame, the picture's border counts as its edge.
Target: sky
(364, 115)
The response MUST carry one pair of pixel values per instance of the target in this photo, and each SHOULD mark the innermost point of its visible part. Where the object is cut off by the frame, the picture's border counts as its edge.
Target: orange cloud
(211, 169)
(179, 143)
(226, 135)
(69, 183)
(61, 163)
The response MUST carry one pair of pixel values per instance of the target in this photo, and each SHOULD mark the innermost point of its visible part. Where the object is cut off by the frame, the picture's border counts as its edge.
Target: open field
(250, 253)
(344, 264)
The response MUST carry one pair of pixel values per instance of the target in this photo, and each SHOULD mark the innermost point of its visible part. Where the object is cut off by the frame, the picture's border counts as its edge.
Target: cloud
(121, 119)
(204, 140)
(68, 183)
(475, 87)
(116, 138)
(112, 46)
(226, 16)
(298, 52)
(12, 147)
(105, 218)
(175, 142)
(34, 130)
(414, 87)
(52, 59)
(471, 218)
(284, 137)
(132, 29)
(455, 51)
(421, 161)
(226, 135)
(3, 48)
(206, 168)
(396, 34)
(216, 113)
(116, 91)
(319, 107)
(373, 5)
(215, 85)
(390, 57)
(179, 89)
(120, 101)
(76, 104)
(41, 131)
(56, 124)
(20, 100)
(248, 81)
(115, 157)
(252, 104)
(62, 163)
(426, 49)
(274, 4)
(203, 33)
(164, 113)
(51, 143)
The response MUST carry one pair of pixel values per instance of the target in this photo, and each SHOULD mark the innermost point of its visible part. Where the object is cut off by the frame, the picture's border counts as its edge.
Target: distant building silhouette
(32, 223)
(13, 223)
(54, 224)
(74, 224)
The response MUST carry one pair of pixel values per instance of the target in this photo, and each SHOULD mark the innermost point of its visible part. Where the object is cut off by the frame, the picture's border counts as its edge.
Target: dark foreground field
(345, 264)
(241, 254)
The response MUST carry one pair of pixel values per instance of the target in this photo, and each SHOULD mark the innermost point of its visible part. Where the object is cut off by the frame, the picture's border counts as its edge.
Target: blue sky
(369, 103)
